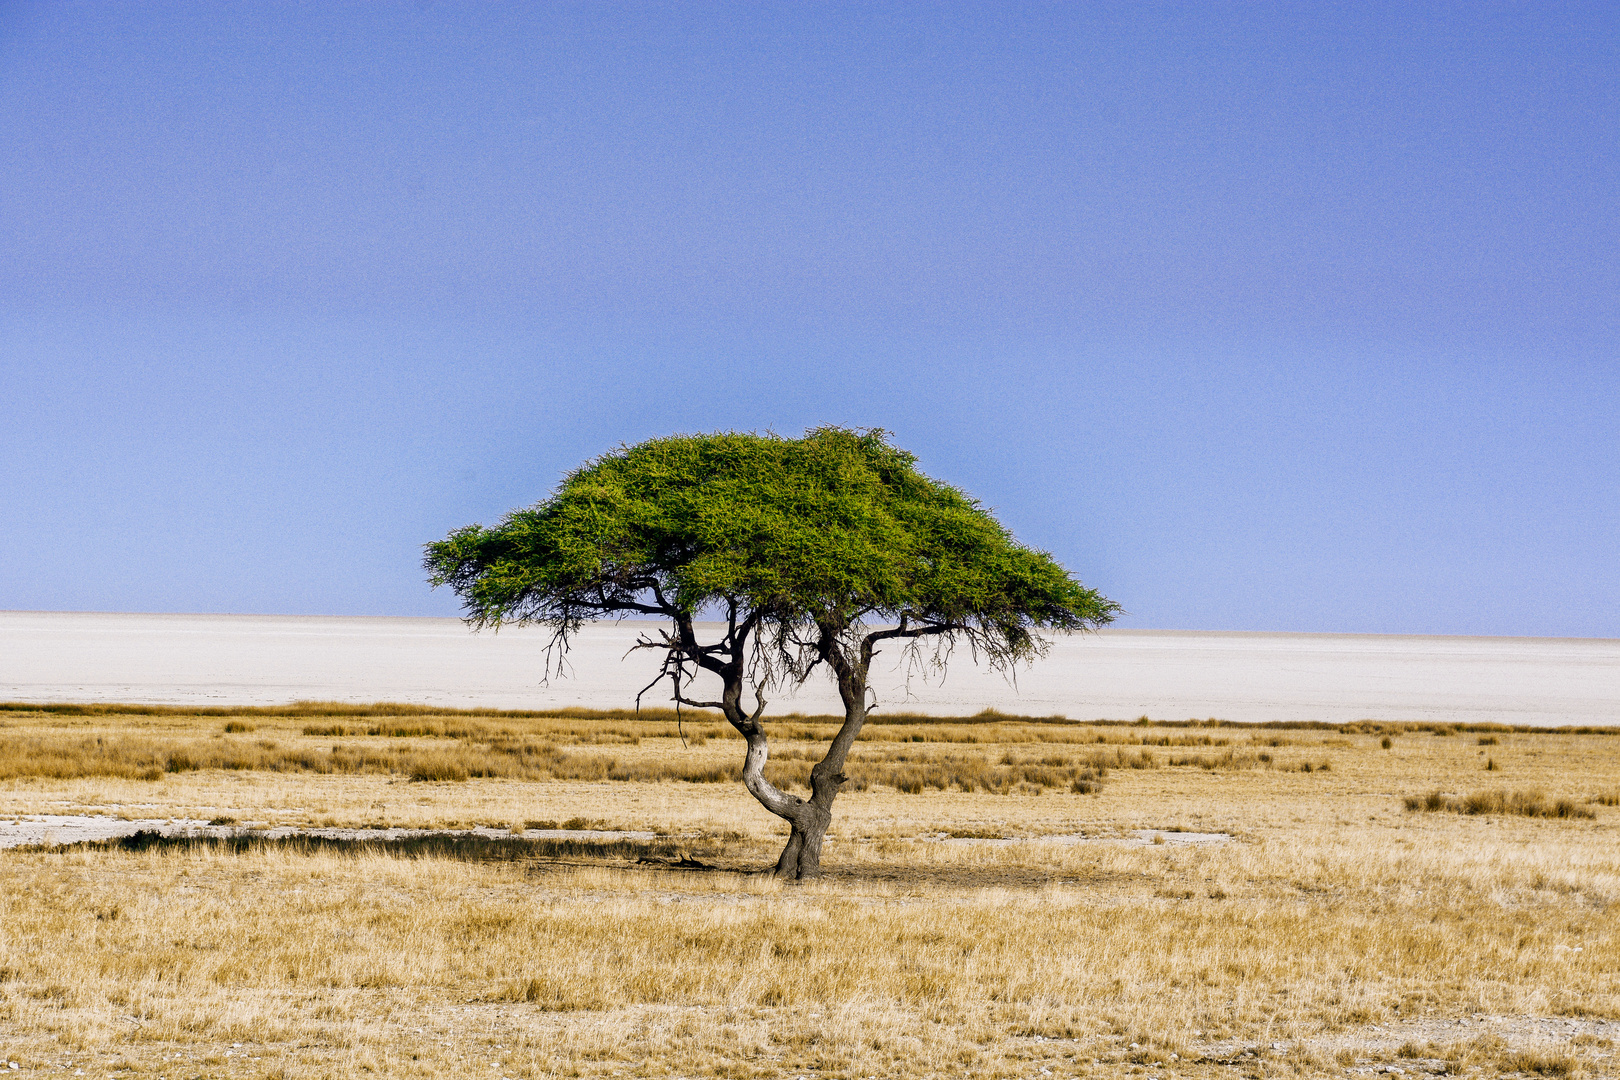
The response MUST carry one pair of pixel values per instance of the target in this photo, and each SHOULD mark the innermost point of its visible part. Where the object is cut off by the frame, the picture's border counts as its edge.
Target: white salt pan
(1115, 674)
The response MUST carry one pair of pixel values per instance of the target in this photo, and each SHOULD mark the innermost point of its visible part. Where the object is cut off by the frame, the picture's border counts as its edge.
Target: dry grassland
(988, 910)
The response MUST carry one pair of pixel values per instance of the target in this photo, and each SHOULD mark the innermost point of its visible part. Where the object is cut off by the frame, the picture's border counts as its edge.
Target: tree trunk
(808, 818)
(801, 858)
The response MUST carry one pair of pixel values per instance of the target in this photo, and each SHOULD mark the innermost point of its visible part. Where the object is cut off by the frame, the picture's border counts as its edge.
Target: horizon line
(645, 619)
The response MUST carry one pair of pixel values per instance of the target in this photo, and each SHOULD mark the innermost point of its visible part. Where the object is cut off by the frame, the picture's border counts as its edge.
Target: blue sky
(1258, 316)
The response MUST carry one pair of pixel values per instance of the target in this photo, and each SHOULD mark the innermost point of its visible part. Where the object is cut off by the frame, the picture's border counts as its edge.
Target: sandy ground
(1115, 674)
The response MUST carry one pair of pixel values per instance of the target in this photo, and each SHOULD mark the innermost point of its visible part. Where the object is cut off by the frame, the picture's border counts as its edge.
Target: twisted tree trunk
(850, 662)
(808, 818)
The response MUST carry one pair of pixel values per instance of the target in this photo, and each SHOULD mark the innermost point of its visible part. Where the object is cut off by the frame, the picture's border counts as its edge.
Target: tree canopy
(812, 551)
(836, 521)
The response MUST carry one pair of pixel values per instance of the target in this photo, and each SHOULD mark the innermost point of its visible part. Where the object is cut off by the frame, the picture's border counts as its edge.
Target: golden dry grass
(65, 742)
(1528, 803)
(963, 930)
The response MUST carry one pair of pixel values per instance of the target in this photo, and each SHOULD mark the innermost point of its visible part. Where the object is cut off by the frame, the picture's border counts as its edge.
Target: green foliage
(838, 523)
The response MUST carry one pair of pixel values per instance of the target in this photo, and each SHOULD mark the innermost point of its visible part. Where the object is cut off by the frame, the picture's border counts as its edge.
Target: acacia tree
(817, 552)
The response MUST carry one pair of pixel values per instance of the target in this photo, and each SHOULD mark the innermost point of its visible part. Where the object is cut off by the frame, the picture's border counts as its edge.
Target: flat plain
(210, 660)
(1003, 897)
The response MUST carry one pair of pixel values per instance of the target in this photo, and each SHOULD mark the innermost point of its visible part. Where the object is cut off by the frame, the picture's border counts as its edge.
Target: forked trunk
(808, 818)
(801, 858)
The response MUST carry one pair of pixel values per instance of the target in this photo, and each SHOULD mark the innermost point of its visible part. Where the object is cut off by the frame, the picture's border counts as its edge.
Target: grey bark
(850, 662)
(807, 818)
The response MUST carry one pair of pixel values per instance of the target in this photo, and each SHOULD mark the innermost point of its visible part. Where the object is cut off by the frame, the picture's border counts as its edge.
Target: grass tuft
(1525, 803)
(1541, 1062)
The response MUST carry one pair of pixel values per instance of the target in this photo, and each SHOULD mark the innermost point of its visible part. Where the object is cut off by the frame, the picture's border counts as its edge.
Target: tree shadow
(463, 847)
(540, 854)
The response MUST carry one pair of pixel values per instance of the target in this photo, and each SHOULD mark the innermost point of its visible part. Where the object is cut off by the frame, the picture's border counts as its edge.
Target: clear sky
(1258, 316)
